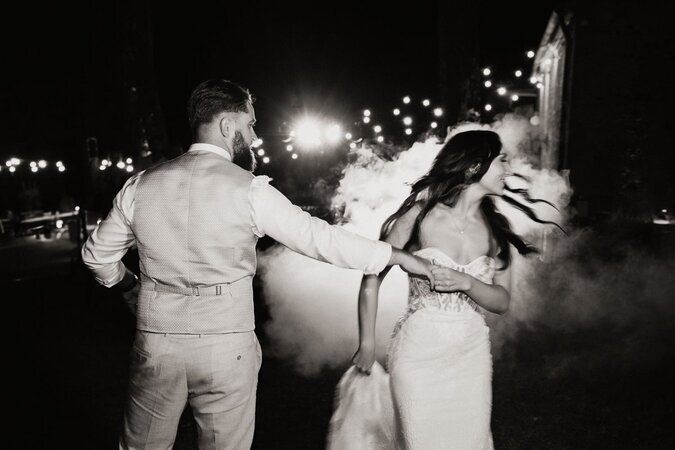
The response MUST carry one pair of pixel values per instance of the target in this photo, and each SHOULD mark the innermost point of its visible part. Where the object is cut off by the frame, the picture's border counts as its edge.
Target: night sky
(62, 61)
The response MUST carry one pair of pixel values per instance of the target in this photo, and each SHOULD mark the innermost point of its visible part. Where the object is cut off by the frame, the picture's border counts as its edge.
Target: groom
(196, 220)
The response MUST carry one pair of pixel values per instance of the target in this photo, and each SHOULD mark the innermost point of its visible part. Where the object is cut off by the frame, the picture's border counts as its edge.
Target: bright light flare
(308, 133)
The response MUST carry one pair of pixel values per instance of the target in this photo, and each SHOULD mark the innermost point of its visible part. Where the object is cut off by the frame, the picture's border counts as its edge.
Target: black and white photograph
(432, 225)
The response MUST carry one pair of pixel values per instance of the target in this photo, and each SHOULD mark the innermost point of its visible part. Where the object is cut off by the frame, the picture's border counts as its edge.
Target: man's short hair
(213, 97)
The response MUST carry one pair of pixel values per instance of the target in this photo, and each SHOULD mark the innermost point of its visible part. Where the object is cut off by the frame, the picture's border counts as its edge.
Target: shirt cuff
(107, 275)
(380, 258)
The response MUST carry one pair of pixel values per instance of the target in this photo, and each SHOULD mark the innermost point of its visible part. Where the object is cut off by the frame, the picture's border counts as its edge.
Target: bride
(438, 393)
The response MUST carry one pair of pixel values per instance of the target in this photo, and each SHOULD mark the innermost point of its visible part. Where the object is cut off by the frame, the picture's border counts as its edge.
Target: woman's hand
(450, 280)
(364, 358)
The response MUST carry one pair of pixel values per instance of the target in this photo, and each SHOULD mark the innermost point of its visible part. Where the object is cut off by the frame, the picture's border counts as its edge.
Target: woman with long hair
(439, 360)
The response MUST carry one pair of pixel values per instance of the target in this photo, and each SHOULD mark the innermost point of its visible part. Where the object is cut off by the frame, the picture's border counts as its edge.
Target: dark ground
(72, 338)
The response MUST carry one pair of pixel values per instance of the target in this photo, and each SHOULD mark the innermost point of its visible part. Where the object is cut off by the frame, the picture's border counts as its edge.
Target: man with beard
(196, 220)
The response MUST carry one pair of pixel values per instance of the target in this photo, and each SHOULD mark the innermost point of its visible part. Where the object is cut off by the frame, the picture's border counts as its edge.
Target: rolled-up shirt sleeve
(112, 238)
(274, 215)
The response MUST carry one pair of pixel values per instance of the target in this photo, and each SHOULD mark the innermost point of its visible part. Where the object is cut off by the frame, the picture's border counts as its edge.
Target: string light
(438, 112)
(130, 169)
(515, 97)
(487, 83)
(426, 102)
(501, 90)
(366, 113)
(348, 136)
(434, 125)
(377, 128)
(397, 111)
(487, 71)
(406, 99)
(261, 152)
(407, 120)
(62, 169)
(488, 107)
(530, 54)
(352, 145)
(266, 160)
(533, 80)
(408, 131)
(33, 169)
(289, 148)
(15, 161)
(121, 165)
(519, 73)
(366, 119)
(130, 161)
(42, 164)
(12, 169)
(294, 156)
(380, 139)
(540, 85)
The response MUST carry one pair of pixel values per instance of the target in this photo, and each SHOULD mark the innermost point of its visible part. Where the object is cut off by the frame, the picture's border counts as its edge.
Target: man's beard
(243, 155)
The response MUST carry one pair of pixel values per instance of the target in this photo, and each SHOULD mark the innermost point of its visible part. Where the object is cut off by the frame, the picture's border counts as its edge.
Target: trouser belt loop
(218, 290)
(195, 291)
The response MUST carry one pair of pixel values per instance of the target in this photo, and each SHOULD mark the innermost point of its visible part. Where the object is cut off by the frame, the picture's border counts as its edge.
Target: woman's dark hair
(463, 160)
(212, 97)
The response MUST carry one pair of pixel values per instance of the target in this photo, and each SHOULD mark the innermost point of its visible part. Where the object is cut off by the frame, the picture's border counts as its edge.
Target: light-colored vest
(197, 249)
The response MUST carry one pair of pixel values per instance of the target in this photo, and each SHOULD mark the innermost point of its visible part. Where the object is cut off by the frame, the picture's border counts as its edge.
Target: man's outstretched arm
(274, 215)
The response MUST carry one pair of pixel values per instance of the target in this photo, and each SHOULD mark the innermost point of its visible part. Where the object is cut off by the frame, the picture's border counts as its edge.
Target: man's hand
(412, 264)
(129, 287)
(131, 297)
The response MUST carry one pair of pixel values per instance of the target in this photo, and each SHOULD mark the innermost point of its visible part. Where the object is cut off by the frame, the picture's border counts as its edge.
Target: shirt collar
(211, 148)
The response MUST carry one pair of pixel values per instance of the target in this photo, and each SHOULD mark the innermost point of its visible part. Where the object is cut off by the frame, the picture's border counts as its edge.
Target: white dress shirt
(271, 213)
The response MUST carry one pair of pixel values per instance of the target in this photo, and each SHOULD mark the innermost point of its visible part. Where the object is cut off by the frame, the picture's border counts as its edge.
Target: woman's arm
(493, 297)
(369, 291)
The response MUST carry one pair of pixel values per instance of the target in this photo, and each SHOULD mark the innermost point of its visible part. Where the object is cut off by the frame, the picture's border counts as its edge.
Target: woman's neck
(468, 203)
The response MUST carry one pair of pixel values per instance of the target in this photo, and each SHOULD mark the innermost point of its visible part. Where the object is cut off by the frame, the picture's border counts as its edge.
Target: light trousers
(216, 373)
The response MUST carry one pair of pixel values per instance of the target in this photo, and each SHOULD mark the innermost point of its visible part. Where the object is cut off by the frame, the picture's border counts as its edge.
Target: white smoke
(313, 305)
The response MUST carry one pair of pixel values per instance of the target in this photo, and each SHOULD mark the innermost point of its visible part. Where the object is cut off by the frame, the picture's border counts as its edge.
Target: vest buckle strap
(195, 291)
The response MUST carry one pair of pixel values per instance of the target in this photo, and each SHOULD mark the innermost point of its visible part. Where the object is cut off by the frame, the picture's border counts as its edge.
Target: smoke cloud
(569, 287)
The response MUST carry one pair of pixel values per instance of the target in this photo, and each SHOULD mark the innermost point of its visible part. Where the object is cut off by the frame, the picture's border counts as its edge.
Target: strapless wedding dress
(440, 375)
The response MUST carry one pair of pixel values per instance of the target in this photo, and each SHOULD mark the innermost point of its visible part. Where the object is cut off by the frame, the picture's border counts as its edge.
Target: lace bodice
(420, 293)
